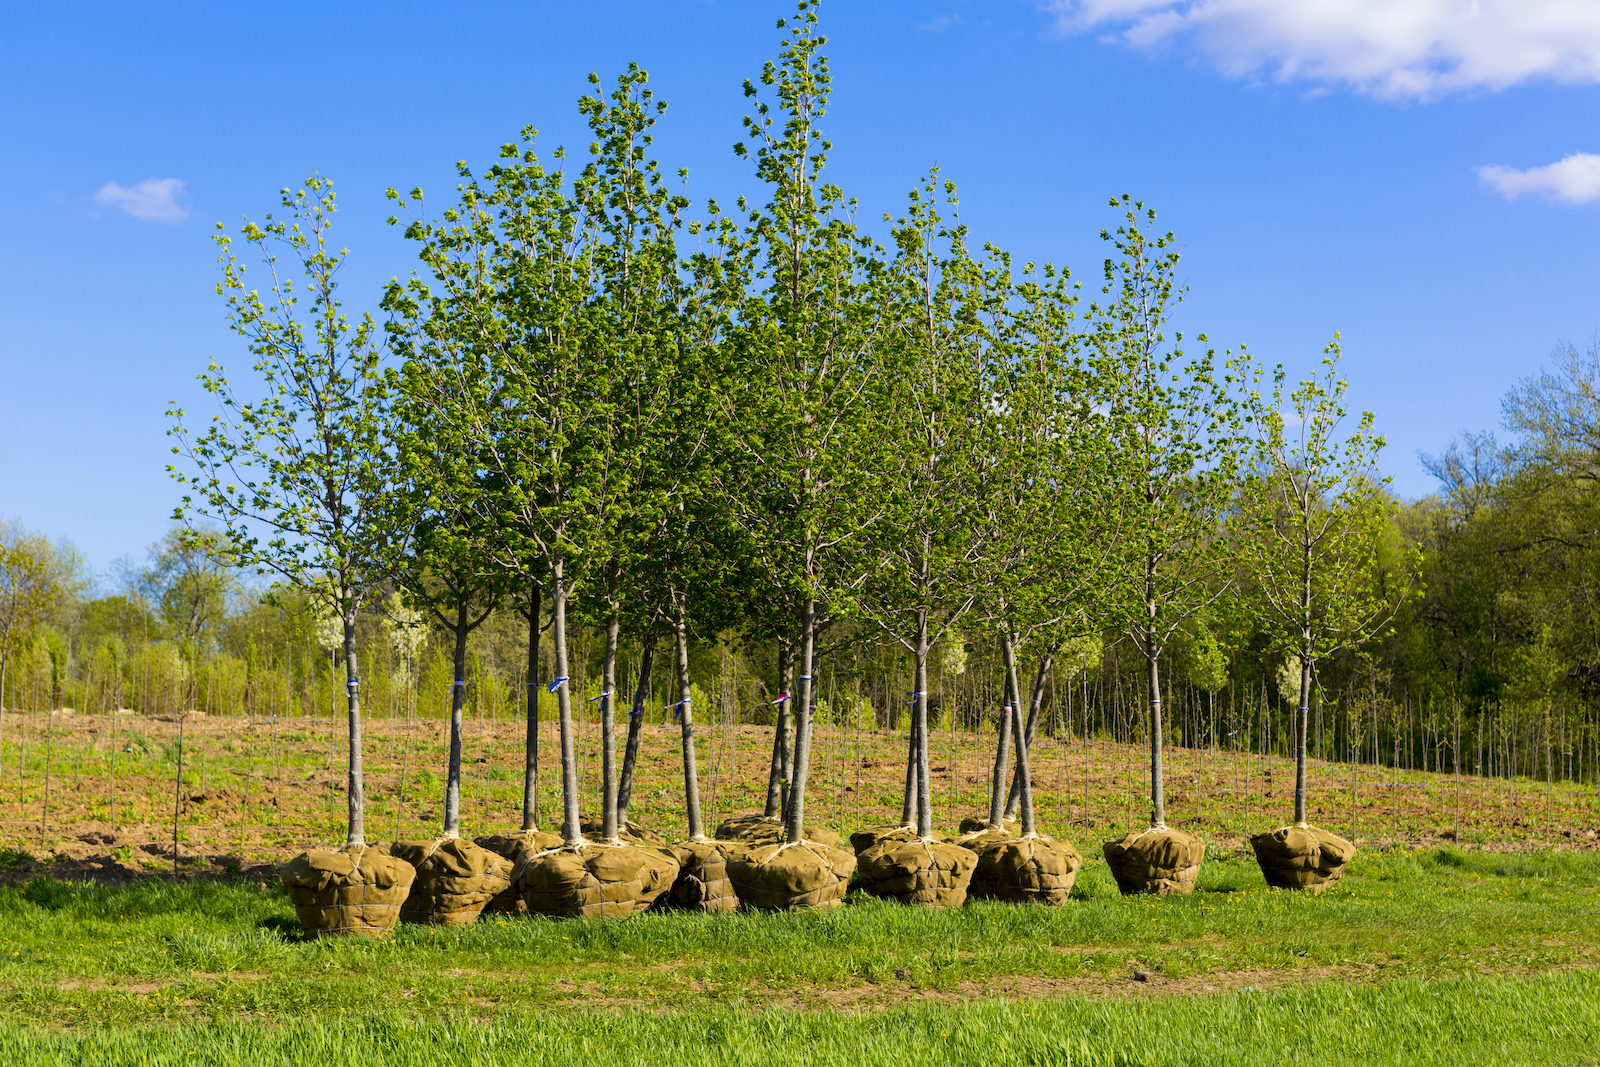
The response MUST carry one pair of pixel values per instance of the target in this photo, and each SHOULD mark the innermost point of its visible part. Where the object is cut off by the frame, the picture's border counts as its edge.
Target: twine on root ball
(791, 877)
(593, 827)
(1032, 869)
(764, 830)
(702, 883)
(595, 880)
(1301, 857)
(352, 891)
(514, 847)
(930, 873)
(865, 838)
(1159, 860)
(455, 880)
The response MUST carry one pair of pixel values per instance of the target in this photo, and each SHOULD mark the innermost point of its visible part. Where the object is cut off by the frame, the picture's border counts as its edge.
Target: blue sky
(1414, 173)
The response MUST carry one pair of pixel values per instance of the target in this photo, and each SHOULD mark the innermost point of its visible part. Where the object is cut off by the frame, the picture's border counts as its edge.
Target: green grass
(1545, 1019)
(1440, 953)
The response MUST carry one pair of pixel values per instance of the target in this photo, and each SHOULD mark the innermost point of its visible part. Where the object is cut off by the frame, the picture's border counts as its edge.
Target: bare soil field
(102, 797)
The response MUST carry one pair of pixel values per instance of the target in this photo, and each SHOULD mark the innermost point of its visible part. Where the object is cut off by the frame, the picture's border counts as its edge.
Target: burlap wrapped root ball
(977, 824)
(455, 880)
(354, 891)
(760, 830)
(595, 880)
(514, 846)
(785, 877)
(1025, 870)
(1159, 861)
(1301, 857)
(931, 873)
(702, 883)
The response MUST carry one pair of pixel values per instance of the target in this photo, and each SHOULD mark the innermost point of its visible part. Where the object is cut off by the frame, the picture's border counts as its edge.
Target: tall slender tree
(1183, 428)
(801, 423)
(301, 477)
(923, 555)
(1313, 517)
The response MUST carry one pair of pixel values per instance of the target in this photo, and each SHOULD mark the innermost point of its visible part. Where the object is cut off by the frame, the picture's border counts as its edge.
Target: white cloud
(1575, 179)
(152, 200)
(943, 22)
(1394, 49)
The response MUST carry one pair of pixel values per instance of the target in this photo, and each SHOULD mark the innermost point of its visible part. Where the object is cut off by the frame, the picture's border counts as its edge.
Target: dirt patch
(260, 791)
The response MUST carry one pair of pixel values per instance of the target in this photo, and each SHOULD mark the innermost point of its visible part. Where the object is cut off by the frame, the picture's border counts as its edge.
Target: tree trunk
(530, 749)
(1033, 726)
(1009, 650)
(458, 697)
(794, 818)
(1301, 717)
(1158, 797)
(630, 754)
(778, 771)
(919, 729)
(571, 828)
(691, 777)
(1002, 767)
(355, 789)
(907, 806)
(608, 738)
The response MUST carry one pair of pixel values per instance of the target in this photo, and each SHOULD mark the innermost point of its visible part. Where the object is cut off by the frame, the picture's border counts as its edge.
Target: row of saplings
(610, 867)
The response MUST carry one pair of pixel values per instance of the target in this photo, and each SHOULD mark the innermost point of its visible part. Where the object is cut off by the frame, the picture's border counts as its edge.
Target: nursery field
(101, 796)
(1418, 956)
(1462, 932)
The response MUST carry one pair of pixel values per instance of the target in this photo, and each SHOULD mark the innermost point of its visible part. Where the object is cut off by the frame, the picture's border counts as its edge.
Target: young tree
(1312, 518)
(566, 311)
(805, 355)
(931, 532)
(800, 419)
(299, 478)
(1182, 427)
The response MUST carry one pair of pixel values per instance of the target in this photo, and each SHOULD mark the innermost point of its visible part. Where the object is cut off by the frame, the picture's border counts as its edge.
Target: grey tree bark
(630, 754)
(571, 828)
(530, 749)
(691, 777)
(794, 819)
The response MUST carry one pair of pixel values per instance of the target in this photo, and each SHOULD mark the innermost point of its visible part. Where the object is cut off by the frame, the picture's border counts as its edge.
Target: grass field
(1427, 956)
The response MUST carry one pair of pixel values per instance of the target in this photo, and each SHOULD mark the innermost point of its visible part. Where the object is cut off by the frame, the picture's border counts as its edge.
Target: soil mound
(784, 877)
(932, 873)
(1159, 861)
(352, 891)
(455, 880)
(594, 880)
(1301, 857)
(1025, 870)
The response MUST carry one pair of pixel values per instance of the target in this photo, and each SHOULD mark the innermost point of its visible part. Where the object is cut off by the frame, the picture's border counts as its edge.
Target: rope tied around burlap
(923, 871)
(553, 884)
(350, 890)
(791, 875)
(456, 880)
(1170, 866)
